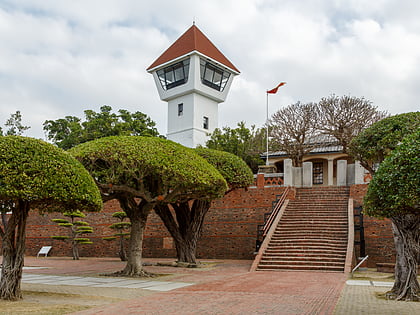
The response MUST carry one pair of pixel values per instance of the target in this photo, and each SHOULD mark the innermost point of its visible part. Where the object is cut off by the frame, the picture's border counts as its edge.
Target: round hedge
(234, 170)
(376, 142)
(395, 188)
(155, 165)
(44, 175)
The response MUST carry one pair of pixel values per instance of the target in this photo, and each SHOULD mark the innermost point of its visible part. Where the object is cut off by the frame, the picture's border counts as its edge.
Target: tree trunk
(186, 227)
(13, 250)
(75, 251)
(137, 213)
(74, 247)
(122, 254)
(406, 230)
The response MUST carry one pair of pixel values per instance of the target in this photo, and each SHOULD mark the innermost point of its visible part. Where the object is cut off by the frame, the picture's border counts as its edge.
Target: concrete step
(297, 240)
(301, 254)
(304, 259)
(301, 268)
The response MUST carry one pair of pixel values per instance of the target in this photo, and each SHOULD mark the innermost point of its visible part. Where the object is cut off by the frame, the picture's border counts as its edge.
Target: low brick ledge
(388, 268)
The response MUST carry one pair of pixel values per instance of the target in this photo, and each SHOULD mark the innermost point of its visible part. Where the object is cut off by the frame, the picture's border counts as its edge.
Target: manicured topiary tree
(374, 144)
(36, 175)
(77, 229)
(121, 235)
(394, 193)
(142, 172)
(185, 222)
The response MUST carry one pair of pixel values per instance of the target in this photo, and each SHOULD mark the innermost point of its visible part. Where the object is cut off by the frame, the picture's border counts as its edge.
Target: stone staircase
(312, 233)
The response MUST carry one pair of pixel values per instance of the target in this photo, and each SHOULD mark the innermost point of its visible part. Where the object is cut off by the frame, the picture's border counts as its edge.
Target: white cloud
(59, 58)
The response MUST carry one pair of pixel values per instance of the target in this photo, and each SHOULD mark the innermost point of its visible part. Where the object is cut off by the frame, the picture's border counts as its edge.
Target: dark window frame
(174, 75)
(213, 76)
(180, 109)
(205, 122)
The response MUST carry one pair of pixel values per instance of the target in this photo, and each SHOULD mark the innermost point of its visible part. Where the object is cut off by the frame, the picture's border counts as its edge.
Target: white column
(359, 173)
(297, 176)
(307, 174)
(288, 175)
(341, 173)
(330, 172)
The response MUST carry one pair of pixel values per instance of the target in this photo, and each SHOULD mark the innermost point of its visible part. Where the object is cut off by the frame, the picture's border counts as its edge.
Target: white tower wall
(188, 128)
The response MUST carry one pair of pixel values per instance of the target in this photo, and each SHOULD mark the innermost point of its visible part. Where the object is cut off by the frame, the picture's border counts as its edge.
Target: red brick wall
(378, 233)
(229, 229)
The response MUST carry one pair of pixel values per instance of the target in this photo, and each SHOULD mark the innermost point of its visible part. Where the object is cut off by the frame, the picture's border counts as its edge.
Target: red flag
(274, 91)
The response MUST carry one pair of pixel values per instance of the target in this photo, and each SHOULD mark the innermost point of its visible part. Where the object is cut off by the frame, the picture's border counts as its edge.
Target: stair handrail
(350, 237)
(275, 211)
(266, 241)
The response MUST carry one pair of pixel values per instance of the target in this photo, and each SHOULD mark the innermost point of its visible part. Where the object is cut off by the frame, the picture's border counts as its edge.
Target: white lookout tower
(193, 76)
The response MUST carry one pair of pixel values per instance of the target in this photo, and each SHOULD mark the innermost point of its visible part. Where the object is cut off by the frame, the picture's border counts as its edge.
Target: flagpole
(272, 91)
(266, 125)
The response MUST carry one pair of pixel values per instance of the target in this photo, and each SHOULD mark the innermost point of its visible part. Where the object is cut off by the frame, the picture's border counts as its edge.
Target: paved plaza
(221, 287)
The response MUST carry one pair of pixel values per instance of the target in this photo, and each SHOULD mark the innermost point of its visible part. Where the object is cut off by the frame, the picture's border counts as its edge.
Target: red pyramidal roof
(192, 40)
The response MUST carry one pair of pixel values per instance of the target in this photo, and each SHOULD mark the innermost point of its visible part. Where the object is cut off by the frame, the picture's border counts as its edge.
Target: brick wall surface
(229, 229)
(378, 233)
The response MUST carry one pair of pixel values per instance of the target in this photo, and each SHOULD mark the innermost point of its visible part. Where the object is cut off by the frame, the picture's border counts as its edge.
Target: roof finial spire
(194, 20)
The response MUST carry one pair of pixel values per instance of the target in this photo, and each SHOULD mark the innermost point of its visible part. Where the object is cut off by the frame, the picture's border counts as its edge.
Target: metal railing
(263, 229)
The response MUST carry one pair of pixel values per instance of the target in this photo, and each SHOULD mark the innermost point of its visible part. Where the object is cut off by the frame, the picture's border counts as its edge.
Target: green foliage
(109, 238)
(81, 223)
(74, 214)
(375, 143)
(395, 188)
(70, 131)
(46, 176)
(84, 229)
(60, 221)
(68, 224)
(14, 124)
(233, 169)
(81, 239)
(120, 225)
(153, 168)
(76, 229)
(59, 237)
(119, 214)
(247, 143)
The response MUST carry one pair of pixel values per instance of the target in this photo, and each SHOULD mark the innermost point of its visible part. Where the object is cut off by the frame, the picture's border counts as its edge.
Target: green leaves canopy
(247, 143)
(395, 188)
(375, 143)
(150, 168)
(234, 170)
(44, 175)
(70, 131)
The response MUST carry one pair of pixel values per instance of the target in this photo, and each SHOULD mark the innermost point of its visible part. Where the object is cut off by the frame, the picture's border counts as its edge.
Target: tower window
(213, 76)
(180, 109)
(174, 75)
(205, 122)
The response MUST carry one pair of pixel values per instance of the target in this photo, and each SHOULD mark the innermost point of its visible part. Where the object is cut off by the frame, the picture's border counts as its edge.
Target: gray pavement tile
(168, 287)
(358, 282)
(383, 284)
(103, 282)
(129, 283)
(41, 281)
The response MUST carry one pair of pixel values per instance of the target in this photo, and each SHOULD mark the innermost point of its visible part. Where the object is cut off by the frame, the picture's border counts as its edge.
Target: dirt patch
(55, 299)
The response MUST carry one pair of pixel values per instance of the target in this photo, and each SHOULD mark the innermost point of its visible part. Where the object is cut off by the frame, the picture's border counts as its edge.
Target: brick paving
(228, 288)
(250, 293)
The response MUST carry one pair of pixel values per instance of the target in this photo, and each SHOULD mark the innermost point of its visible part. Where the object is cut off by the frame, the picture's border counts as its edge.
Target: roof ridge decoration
(192, 40)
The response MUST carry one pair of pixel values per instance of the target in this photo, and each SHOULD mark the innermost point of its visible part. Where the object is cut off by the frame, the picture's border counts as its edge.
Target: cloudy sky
(61, 57)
